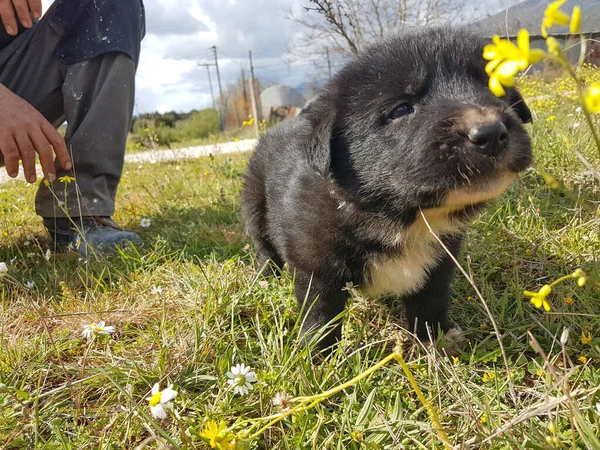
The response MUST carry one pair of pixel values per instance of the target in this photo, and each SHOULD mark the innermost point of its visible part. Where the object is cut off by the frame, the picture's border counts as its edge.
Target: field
(188, 305)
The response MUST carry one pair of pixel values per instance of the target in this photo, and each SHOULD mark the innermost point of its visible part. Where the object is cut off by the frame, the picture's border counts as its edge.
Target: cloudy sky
(181, 32)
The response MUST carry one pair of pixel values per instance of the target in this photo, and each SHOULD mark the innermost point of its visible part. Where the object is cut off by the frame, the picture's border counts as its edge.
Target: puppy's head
(411, 124)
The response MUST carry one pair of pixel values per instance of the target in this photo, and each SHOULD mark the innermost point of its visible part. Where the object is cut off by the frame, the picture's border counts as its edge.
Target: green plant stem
(308, 402)
(562, 61)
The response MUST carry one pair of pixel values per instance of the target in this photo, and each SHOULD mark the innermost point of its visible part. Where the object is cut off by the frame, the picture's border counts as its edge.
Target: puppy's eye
(400, 111)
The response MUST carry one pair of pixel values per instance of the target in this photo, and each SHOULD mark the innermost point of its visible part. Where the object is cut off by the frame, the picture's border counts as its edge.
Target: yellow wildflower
(586, 339)
(66, 179)
(455, 359)
(568, 300)
(539, 298)
(582, 359)
(217, 435)
(575, 24)
(506, 59)
(483, 326)
(553, 15)
(483, 418)
(540, 373)
(488, 376)
(357, 436)
(592, 98)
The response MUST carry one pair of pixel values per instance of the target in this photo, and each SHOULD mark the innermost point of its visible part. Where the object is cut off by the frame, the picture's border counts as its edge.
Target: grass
(59, 391)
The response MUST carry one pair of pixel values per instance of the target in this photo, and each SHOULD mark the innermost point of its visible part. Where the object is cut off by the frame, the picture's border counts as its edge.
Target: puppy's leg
(321, 301)
(427, 309)
(255, 215)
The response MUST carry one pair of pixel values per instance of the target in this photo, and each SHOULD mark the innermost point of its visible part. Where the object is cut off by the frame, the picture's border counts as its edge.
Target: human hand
(24, 10)
(24, 131)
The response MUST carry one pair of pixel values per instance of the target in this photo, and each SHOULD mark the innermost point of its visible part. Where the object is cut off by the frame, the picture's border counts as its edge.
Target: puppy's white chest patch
(405, 273)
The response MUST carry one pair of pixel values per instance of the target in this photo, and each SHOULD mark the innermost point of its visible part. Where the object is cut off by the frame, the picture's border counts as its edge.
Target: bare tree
(345, 27)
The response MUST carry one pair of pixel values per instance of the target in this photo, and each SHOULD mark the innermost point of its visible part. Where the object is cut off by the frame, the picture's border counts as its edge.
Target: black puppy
(409, 127)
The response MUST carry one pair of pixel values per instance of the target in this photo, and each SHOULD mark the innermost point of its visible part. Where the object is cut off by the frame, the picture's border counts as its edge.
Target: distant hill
(529, 14)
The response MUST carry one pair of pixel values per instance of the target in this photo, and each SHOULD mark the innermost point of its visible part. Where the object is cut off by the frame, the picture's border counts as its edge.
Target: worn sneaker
(88, 234)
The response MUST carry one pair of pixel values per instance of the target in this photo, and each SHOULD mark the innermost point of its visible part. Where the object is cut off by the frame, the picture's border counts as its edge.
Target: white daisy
(241, 378)
(3, 269)
(145, 223)
(30, 284)
(160, 400)
(156, 290)
(91, 329)
(351, 288)
(48, 255)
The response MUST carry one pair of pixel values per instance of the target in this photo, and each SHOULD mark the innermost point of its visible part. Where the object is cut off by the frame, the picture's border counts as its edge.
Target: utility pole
(328, 61)
(257, 109)
(214, 49)
(212, 95)
(244, 85)
(254, 109)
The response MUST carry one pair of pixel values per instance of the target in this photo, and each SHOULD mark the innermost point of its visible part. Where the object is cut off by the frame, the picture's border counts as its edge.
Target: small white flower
(241, 378)
(598, 408)
(351, 288)
(48, 255)
(145, 222)
(156, 290)
(160, 400)
(576, 125)
(282, 401)
(91, 329)
(263, 284)
(30, 284)
(78, 241)
(578, 109)
(3, 269)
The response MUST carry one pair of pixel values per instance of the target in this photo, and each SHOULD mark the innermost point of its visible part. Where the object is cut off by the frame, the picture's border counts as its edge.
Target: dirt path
(168, 155)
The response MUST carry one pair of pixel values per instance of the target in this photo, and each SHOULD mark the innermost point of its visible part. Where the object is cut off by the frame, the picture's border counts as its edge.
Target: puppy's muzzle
(482, 129)
(488, 138)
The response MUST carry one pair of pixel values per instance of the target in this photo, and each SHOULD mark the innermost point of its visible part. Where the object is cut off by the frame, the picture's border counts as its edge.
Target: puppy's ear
(518, 104)
(320, 115)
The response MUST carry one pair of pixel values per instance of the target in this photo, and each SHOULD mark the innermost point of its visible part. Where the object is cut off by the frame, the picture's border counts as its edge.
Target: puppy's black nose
(489, 138)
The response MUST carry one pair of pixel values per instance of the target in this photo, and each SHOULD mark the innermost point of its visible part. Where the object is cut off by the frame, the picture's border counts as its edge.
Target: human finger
(22, 9)
(59, 145)
(7, 13)
(10, 153)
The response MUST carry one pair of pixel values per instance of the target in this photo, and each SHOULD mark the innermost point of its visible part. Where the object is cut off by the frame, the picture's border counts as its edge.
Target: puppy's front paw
(452, 341)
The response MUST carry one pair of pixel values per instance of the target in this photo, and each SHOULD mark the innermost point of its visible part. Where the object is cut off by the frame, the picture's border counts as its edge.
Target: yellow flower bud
(554, 47)
(575, 24)
(581, 281)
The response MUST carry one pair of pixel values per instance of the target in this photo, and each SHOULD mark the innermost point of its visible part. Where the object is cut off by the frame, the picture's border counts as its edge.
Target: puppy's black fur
(407, 130)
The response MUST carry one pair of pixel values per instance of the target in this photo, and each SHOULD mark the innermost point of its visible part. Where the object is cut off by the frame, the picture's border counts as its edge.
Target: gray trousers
(95, 98)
